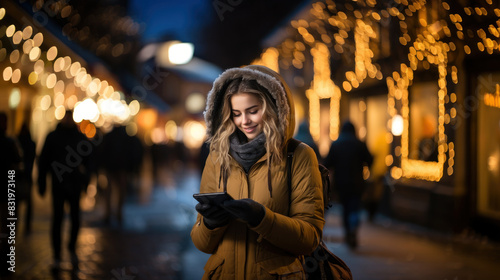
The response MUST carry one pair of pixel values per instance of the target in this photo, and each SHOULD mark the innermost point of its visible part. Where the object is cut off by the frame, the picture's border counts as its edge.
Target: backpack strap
(290, 150)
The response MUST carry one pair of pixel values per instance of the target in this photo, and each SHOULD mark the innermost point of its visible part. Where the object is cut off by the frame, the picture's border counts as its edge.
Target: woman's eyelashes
(253, 112)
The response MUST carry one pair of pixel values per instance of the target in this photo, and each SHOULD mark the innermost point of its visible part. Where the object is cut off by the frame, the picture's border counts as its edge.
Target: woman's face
(247, 114)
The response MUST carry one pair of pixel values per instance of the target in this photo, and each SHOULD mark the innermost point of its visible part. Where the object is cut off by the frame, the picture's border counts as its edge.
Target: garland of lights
(64, 77)
(428, 48)
(322, 87)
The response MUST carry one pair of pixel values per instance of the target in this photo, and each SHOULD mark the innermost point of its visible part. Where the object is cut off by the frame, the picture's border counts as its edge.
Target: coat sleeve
(301, 231)
(205, 239)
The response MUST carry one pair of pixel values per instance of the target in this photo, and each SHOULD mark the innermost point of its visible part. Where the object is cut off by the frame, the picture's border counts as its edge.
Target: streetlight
(174, 53)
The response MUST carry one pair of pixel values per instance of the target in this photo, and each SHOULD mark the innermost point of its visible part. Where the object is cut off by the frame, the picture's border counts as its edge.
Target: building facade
(420, 81)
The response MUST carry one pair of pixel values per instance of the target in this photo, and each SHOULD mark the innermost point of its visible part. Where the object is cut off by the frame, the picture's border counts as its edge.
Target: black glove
(213, 216)
(246, 209)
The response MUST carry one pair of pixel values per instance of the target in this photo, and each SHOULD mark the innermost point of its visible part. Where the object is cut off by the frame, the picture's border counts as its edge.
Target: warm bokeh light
(14, 56)
(27, 46)
(52, 53)
(397, 125)
(9, 32)
(7, 73)
(17, 37)
(32, 78)
(147, 118)
(39, 67)
(396, 172)
(14, 98)
(93, 87)
(116, 111)
(389, 160)
(58, 99)
(38, 39)
(71, 102)
(134, 107)
(171, 130)
(269, 58)
(35, 53)
(86, 110)
(51, 80)
(60, 112)
(194, 134)
(75, 68)
(158, 135)
(131, 129)
(16, 76)
(27, 32)
(195, 103)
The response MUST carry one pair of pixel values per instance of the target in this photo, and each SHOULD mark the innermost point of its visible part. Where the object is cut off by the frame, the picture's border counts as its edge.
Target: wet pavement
(153, 243)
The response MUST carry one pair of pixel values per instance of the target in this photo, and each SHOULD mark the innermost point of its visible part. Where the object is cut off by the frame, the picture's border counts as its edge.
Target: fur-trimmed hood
(267, 78)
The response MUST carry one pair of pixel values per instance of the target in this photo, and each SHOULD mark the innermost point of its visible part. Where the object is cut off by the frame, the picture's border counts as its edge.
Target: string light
(434, 53)
(322, 87)
(53, 106)
(269, 58)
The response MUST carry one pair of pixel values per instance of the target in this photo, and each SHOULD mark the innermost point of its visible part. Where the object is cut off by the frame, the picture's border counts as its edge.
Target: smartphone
(212, 198)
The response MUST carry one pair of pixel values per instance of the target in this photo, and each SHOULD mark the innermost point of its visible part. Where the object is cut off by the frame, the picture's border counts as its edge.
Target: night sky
(227, 33)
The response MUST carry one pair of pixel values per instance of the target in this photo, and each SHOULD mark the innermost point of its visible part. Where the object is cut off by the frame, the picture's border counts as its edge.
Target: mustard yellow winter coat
(293, 223)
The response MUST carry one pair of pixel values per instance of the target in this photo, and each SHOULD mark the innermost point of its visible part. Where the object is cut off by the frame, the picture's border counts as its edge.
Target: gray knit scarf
(247, 153)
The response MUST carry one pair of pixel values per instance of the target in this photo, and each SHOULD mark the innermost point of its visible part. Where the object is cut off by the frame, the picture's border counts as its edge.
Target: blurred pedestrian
(304, 135)
(346, 158)
(10, 164)
(28, 148)
(65, 156)
(121, 158)
(264, 230)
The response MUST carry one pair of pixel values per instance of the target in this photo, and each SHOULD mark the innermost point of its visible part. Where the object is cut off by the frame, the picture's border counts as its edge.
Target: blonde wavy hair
(220, 142)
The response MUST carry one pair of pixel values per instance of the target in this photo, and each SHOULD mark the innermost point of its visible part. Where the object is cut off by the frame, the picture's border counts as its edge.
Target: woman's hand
(213, 216)
(246, 209)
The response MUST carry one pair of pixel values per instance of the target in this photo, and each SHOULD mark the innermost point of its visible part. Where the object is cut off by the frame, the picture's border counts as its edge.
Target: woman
(264, 230)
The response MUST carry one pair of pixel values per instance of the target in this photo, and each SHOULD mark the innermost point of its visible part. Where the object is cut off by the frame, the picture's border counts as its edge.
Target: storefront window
(488, 145)
(369, 116)
(423, 140)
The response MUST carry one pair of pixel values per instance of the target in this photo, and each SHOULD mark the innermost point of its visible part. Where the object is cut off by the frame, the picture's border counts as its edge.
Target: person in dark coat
(28, 147)
(65, 156)
(346, 158)
(305, 136)
(121, 158)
